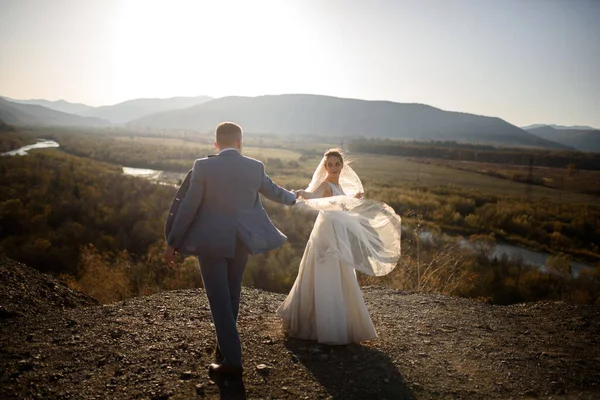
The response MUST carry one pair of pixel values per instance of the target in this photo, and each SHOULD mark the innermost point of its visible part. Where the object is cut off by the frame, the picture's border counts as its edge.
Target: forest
(72, 213)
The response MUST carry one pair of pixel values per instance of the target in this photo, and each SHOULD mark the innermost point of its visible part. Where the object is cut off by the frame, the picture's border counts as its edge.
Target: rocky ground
(158, 347)
(25, 291)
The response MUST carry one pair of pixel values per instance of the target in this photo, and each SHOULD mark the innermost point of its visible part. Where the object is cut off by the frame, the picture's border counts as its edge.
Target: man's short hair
(228, 133)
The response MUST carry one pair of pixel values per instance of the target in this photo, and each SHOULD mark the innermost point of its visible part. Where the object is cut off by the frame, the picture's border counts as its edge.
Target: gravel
(58, 343)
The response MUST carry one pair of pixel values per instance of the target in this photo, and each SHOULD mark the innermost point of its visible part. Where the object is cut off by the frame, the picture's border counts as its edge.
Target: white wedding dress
(326, 303)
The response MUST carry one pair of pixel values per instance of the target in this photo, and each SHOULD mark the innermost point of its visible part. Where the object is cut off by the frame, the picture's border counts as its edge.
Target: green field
(378, 170)
(176, 154)
(205, 147)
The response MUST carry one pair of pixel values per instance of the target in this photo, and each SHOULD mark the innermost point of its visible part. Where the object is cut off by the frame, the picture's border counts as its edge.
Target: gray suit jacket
(221, 204)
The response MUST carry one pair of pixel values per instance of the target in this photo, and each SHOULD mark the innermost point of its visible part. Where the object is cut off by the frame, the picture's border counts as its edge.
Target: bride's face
(334, 165)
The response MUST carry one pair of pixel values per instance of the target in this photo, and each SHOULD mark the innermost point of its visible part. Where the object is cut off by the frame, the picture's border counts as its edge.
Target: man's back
(222, 204)
(232, 183)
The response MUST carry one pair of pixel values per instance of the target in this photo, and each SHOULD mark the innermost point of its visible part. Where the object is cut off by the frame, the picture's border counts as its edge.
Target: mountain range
(563, 127)
(298, 114)
(58, 105)
(122, 112)
(31, 114)
(301, 114)
(578, 138)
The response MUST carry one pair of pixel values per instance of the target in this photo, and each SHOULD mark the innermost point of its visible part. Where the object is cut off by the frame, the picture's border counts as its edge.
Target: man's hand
(300, 193)
(169, 255)
(359, 195)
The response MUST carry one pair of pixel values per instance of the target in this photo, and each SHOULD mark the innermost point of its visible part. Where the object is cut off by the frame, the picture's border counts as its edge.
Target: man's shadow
(351, 371)
(230, 387)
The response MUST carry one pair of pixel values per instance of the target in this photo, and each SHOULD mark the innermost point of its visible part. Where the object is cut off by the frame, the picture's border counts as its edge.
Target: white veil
(364, 234)
(349, 181)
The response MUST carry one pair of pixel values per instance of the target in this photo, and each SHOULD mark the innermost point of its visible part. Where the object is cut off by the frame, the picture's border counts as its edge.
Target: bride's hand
(300, 193)
(359, 195)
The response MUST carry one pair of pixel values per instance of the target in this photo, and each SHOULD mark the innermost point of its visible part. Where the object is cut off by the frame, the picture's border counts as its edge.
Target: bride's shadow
(351, 371)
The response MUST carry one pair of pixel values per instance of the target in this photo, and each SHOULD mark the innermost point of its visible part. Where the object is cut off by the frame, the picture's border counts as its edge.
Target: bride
(350, 233)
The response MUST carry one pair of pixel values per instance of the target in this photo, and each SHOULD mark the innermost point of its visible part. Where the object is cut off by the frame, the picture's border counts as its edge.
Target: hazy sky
(526, 61)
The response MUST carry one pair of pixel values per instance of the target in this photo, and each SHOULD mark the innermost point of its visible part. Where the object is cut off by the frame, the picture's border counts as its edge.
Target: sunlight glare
(189, 47)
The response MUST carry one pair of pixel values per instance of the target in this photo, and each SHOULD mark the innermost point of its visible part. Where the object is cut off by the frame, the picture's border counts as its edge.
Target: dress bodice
(336, 190)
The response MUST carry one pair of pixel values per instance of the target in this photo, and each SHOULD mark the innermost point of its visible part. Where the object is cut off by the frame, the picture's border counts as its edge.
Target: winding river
(41, 144)
(534, 258)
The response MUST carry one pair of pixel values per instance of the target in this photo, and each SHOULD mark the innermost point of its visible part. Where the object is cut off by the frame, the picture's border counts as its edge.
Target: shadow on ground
(351, 371)
(230, 387)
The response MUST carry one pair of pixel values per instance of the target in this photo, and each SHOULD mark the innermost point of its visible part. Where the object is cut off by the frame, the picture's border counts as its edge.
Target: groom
(222, 221)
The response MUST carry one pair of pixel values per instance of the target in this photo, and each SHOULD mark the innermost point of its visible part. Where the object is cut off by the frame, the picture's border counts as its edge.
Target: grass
(582, 181)
(377, 170)
(264, 153)
(204, 146)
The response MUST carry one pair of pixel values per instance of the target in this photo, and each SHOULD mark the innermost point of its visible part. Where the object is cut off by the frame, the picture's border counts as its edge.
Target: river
(534, 258)
(150, 174)
(531, 257)
(41, 144)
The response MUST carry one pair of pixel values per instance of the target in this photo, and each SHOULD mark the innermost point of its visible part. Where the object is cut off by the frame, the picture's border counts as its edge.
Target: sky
(525, 61)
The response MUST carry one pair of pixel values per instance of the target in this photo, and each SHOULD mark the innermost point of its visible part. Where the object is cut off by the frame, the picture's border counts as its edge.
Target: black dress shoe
(225, 369)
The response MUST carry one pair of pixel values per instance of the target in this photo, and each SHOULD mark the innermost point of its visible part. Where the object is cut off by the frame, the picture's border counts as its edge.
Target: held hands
(359, 195)
(300, 193)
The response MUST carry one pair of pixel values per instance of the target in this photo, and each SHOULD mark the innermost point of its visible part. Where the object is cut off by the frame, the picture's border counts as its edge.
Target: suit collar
(229, 150)
(228, 153)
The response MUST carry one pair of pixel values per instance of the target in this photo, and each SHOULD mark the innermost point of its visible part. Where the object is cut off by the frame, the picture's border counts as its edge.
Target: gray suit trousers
(222, 279)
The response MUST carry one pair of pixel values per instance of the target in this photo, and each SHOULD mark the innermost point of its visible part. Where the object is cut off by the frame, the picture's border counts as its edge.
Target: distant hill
(29, 114)
(4, 127)
(118, 113)
(574, 127)
(324, 115)
(133, 109)
(58, 105)
(583, 140)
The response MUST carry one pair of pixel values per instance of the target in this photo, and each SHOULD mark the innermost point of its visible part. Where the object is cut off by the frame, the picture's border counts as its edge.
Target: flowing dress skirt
(326, 303)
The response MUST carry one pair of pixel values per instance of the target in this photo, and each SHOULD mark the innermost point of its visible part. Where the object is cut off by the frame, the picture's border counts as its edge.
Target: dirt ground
(58, 343)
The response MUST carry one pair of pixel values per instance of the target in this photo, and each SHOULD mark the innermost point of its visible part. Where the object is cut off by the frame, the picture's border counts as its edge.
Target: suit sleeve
(188, 207)
(274, 192)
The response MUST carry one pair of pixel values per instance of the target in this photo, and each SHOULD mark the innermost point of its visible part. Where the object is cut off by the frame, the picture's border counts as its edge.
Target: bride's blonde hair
(334, 152)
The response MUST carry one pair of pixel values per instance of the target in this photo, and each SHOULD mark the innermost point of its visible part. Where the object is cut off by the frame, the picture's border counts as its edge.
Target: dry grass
(556, 178)
(204, 146)
(264, 153)
(382, 170)
(394, 170)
